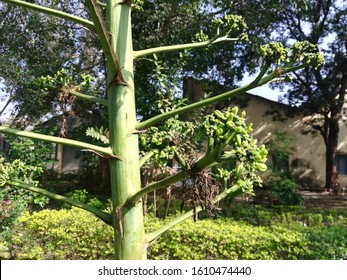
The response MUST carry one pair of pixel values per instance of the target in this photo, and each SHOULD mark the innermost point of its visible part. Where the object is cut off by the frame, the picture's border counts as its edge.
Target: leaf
(101, 134)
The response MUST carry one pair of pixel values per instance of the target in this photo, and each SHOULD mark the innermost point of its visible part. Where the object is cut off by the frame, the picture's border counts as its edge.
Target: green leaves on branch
(99, 133)
(229, 28)
(172, 136)
(230, 25)
(226, 27)
(307, 53)
(230, 141)
(303, 52)
(18, 170)
(233, 143)
(63, 78)
(66, 87)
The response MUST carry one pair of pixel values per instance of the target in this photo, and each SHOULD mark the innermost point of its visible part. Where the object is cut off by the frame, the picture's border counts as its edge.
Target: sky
(263, 91)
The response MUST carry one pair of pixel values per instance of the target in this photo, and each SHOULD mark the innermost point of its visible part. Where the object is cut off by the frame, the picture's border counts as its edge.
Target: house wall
(68, 159)
(71, 160)
(308, 148)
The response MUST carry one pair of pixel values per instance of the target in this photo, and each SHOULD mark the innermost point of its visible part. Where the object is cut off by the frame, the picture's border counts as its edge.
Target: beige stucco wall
(307, 147)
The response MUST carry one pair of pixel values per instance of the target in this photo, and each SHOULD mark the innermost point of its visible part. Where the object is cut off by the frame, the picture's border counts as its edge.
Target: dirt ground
(324, 200)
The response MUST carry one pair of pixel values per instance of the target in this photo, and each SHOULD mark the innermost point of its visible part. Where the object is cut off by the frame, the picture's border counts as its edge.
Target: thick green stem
(107, 218)
(53, 139)
(130, 241)
(53, 12)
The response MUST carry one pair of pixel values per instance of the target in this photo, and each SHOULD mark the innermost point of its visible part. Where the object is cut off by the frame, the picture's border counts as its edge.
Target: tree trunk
(331, 175)
(128, 223)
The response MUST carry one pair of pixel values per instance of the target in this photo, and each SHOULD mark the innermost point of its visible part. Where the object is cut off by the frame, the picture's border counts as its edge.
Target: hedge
(76, 234)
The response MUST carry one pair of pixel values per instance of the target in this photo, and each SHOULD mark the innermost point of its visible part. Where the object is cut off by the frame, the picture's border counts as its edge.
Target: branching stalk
(107, 218)
(260, 75)
(53, 139)
(145, 158)
(103, 35)
(158, 185)
(89, 97)
(207, 161)
(233, 191)
(146, 52)
(196, 105)
(257, 82)
(86, 23)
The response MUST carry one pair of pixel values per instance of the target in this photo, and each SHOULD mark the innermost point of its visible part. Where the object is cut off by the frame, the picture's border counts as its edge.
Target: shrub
(285, 192)
(13, 200)
(327, 243)
(77, 234)
(84, 197)
(228, 239)
(63, 234)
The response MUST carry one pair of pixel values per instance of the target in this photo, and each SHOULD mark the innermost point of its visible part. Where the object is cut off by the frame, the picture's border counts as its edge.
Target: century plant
(227, 135)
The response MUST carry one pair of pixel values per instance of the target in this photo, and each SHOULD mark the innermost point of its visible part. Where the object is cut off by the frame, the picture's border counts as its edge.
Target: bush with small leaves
(64, 234)
(77, 234)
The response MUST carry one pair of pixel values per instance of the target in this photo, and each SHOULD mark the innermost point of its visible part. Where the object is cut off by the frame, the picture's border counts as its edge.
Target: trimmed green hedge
(228, 239)
(58, 234)
(76, 234)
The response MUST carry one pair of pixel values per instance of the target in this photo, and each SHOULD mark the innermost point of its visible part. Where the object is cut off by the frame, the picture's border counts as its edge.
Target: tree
(33, 45)
(319, 93)
(222, 129)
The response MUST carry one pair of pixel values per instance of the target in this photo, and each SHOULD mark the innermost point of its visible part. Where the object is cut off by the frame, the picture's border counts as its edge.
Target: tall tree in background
(222, 129)
(320, 93)
(34, 45)
(317, 93)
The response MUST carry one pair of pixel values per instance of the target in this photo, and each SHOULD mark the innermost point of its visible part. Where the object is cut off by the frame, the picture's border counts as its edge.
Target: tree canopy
(318, 93)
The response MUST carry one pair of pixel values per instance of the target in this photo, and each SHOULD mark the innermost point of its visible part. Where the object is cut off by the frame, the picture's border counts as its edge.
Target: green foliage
(226, 239)
(52, 94)
(13, 201)
(31, 152)
(63, 234)
(254, 232)
(292, 216)
(328, 243)
(281, 144)
(231, 141)
(302, 51)
(99, 133)
(12, 205)
(18, 170)
(172, 136)
(285, 192)
(84, 197)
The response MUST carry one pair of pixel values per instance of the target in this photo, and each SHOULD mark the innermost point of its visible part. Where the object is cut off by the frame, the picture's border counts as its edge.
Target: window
(342, 164)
